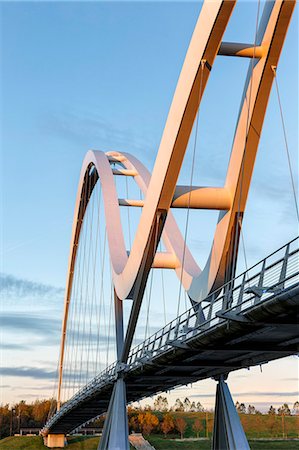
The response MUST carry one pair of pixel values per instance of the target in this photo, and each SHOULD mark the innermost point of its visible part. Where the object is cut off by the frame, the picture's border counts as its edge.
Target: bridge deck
(263, 331)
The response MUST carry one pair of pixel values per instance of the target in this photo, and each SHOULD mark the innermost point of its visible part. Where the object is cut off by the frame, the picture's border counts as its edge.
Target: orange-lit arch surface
(160, 190)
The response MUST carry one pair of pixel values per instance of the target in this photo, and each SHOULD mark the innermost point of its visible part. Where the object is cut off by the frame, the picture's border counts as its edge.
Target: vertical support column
(116, 430)
(228, 432)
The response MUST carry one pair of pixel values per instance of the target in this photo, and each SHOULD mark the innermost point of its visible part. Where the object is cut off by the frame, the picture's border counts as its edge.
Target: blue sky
(80, 75)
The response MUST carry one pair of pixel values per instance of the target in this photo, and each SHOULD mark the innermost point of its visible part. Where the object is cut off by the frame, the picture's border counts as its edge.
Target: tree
(241, 408)
(272, 410)
(181, 425)
(161, 403)
(251, 409)
(134, 423)
(273, 424)
(178, 406)
(296, 408)
(167, 425)
(187, 404)
(197, 427)
(148, 422)
(199, 407)
(284, 410)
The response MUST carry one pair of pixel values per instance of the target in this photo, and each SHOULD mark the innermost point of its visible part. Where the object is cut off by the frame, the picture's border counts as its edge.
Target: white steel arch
(130, 272)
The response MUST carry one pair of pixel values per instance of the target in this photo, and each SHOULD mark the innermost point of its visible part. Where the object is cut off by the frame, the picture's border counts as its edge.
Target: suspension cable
(93, 295)
(151, 281)
(239, 218)
(163, 290)
(202, 66)
(286, 141)
(128, 214)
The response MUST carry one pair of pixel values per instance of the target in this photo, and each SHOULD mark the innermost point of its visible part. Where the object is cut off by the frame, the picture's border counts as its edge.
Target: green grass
(22, 442)
(167, 444)
(91, 443)
(36, 443)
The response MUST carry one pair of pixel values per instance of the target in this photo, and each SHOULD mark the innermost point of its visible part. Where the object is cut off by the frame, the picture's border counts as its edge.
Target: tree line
(179, 418)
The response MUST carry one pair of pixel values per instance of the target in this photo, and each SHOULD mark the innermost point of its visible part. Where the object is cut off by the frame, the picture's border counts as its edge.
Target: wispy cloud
(90, 129)
(11, 286)
(250, 394)
(46, 332)
(32, 323)
(13, 346)
(28, 372)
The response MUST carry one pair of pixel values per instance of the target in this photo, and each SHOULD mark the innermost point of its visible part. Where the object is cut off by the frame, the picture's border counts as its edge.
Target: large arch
(130, 272)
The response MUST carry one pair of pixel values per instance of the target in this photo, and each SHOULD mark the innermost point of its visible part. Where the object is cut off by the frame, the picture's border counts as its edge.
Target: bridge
(234, 321)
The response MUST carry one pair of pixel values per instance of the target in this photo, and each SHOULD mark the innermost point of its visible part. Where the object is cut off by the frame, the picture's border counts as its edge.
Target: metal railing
(271, 276)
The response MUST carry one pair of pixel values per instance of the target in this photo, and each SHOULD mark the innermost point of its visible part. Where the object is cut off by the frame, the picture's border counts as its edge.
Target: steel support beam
(116, 431)
(228, 432)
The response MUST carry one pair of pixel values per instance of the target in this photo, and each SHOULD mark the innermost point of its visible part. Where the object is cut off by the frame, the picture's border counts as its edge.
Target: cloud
(28, 372)
(90, 129)
(253, 393)
(12, 346)
(11, 286)
(46, 332)
(39, 373)
(31, 323)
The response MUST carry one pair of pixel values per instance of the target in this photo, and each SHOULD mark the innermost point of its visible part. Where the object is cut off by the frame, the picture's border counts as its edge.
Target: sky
(81, 75)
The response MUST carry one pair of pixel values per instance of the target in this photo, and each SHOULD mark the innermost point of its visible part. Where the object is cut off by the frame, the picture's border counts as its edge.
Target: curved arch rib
(130, 273)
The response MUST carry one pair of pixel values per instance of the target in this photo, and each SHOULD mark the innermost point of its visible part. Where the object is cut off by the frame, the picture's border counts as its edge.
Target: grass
(36, 443)
(166, 444)
(91, 443)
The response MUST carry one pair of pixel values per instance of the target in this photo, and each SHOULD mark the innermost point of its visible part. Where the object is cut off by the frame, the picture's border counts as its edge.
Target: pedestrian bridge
(126, 228)
(250, 321)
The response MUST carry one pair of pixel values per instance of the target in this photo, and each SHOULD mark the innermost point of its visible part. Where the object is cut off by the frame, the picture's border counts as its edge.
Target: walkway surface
(138, 441)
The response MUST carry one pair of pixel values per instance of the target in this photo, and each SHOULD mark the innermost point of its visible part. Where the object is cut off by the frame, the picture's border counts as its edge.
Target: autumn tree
(148, 422)
(197, 427)
(273, 424)
(5, 415)
(134, 423)
(167, 425)
(181, 425)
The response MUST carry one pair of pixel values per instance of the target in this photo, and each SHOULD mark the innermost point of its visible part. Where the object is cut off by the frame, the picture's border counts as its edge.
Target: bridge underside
(265, 332)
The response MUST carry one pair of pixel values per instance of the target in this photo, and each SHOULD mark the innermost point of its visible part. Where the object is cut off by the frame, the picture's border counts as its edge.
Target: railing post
(284, 267)
(211, 306)
(241, 294)
(261, 282)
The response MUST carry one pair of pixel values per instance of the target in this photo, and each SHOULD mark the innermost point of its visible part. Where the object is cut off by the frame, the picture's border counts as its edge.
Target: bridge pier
(228, 433)
(54, 440)
(116, 430)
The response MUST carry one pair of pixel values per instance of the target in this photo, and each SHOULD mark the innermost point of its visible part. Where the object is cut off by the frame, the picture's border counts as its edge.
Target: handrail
(214, 299)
